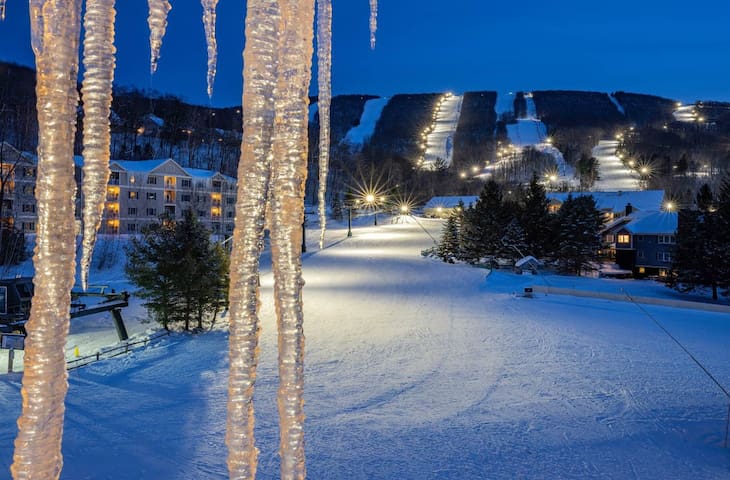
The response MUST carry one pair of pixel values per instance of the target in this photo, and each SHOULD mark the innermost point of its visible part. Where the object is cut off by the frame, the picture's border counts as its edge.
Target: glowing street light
(669, 206)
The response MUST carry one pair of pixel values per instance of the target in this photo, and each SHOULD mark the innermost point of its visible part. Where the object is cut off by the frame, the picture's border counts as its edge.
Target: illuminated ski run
(439, 140)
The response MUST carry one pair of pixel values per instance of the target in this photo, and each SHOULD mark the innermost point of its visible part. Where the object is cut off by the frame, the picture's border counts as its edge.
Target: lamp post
(349, 220)
(370, 201)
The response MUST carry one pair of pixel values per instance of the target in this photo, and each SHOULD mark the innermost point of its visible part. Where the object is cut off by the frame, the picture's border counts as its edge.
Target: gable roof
(617, 201)
(450, 202)
(656, 223)
(161, 166)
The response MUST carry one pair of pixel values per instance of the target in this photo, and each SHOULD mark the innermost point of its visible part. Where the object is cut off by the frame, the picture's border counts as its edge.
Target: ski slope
(417, 369)
(360, 133)
(613, 175)
(440, 140)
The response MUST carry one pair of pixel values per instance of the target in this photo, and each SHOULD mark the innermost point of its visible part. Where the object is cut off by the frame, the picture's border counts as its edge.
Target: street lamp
(349, 220)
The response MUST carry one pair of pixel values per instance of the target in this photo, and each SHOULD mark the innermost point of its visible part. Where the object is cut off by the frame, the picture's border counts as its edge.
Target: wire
(727, 394)
(424, 229)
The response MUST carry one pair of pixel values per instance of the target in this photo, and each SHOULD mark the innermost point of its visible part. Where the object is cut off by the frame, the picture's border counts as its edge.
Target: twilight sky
(676, 49)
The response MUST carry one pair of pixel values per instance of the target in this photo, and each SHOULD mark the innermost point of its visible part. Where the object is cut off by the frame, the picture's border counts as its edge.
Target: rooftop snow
(617, 201)
(450, 202)
(654, 224)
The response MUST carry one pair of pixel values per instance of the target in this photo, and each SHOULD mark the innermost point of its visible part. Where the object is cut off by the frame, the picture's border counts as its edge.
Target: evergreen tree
(536, 220)
(694, 263)
(448, 247)
(514, 244)
(483, 224)
(704, 199)
(180, 273)
(579, 234)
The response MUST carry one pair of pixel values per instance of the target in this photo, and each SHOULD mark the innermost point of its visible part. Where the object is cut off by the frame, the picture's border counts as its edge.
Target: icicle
(289, 171)
(209, 23)
(55, 26)
(373, 22)
(2, 9)
(96, 93)
(324, 73)
(260, 73)
(157, 21)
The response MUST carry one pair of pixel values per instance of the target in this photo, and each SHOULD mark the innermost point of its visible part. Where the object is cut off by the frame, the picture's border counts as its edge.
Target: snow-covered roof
(141, 165)
(201, 173)
(656, 223)
(617, 201)
(450, 202)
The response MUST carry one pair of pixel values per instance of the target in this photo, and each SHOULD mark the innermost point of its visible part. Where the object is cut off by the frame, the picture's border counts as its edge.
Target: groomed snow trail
(417, 369)
(613, 174)
(440, 141)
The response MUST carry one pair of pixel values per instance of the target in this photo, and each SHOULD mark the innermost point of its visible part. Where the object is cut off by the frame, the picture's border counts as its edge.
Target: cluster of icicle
(324, 75)
(157, 21)
(55, 26)
(271, 175)
(96, 94)
(373, 21)
(210, 39)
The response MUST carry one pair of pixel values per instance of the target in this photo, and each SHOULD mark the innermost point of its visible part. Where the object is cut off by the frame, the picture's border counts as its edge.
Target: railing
(112, 352)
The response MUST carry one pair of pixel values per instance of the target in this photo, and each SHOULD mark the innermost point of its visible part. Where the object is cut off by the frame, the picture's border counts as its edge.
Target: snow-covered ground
(613, 174)
(526, 132)
(440, 140)
(417, 369)
(360, 133)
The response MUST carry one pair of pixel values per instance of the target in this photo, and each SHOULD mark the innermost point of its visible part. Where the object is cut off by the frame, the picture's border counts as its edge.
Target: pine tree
(448, 246)
(579, 234)
(180, 273)
(513, 241)
(536, 220)
(704, 199)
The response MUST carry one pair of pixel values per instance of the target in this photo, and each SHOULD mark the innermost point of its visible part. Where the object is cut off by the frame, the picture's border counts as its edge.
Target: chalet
(644, 242)
(613, 204)
(442, 207)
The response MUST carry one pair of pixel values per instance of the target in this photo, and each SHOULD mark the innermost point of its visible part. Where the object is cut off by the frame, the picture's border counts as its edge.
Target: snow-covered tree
(579, 224)
(180, 273)
(514, 244)
(448, 247)
(536, 220)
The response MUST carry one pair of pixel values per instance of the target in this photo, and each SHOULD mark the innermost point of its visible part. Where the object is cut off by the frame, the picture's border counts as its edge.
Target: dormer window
(623, 238)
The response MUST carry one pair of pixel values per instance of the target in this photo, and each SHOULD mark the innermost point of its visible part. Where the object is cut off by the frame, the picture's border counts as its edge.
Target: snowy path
(440, 141)
(419, 370)
(613, 174)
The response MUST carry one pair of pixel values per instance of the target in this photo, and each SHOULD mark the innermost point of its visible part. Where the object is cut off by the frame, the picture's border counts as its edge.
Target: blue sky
(674, 49)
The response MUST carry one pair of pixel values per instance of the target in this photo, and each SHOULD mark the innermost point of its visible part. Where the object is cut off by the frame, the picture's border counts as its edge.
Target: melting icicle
(324, 74)
(289, 171)
(55, 26)
(157, 22)
(254, 171)
(96, 93)
(209, 23)
(373, 21)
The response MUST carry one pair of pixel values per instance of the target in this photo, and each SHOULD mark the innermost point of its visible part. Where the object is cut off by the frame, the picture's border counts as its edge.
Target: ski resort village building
(138, 192)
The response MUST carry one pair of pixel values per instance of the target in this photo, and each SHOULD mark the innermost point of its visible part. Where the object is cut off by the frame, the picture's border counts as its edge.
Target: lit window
(624, 238)
(133, 195)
